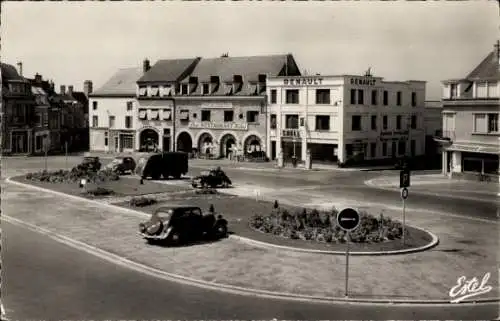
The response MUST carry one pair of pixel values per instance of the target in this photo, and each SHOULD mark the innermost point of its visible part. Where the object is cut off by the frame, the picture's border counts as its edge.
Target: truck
(164, 164)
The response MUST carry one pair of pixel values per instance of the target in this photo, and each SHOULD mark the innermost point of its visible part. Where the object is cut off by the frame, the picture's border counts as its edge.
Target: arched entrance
(184, 143)
(148, 139)
(252, 144)
(227, 145)
(206, 145)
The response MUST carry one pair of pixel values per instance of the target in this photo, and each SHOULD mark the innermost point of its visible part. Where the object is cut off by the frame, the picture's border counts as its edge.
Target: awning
(475, 148)
(142, 114)
(142, 91)
(153, 114)
(184, 115)
(154, 91)
(167, 114)
(166, 91)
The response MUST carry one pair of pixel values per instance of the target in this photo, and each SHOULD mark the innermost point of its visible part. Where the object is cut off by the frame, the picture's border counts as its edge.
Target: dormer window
(193, 83)
(262, 84)
(237, 83)
(166, 91)
(142, 91)
(206, 89)
(153, 91)
(184, 89)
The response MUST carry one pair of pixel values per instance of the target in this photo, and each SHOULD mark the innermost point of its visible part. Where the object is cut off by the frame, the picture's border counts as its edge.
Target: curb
(205, 284)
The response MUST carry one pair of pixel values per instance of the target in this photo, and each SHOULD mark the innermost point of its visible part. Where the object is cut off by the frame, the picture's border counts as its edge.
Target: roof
(123, 82)
(487, 69)
(248, 67)
(169, 70)
(9, 72)
(80, 96)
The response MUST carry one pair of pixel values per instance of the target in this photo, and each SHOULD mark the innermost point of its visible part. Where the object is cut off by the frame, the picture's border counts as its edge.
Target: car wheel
(220, 231)
(174, 238)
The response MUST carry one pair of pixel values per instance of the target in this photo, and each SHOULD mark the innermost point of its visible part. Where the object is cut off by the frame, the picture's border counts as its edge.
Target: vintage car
(166, 164)
(90, 163)
(182, 224)
(212, 178)
(122, 165)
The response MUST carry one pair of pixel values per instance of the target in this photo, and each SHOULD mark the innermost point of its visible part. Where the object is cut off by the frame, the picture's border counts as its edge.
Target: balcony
(290, 133)
(444, 137)
(470, 101)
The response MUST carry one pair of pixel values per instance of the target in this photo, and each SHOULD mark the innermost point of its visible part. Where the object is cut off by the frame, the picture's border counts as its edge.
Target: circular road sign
(404, 193)
(348, 219)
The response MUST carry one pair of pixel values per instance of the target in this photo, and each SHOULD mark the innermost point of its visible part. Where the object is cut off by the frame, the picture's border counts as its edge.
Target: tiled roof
(9, 72)
(123, 82)
(248, 67)
(487, 69)
(169, 70)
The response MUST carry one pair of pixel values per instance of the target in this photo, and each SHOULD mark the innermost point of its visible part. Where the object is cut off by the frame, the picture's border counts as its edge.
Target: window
(105, 138)
(492, 123)
(111, 121)
(273, 96)
(228, 115)
(184, 115)
(374, 97)
(398, 98)
(322, 122)
(356, 123)
(374, 122)
(252, 116)
(361, 97)
(384, 148)
(323, 96)
(386, 98)
(273, 121)
(292, 96)
(205, 115)
(95, 121)
(129, 105)
(412, 147)
(353, 96)
(398, 121)
(94, 105)
(184, 89)
(292, 121)
(384, 122)
(393, 149)
(128, 121)
(413, 122)
(127, 141)
(206, 89)
(453, 90)
(373, 150)
(414, 99)
(38, 119)
(349, 150)
(401, 147)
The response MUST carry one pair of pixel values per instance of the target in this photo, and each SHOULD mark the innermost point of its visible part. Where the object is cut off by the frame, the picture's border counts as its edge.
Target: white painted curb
(113, 258)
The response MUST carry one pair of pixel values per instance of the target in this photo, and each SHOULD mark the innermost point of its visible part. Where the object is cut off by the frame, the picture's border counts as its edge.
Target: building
(113, 112)
(42, 91)
(345, 119)
(155, 91)
(470, 135)
(18, 111)
(221, 107)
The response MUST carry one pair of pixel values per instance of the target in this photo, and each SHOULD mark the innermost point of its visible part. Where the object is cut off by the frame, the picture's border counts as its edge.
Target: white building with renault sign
(345, 118)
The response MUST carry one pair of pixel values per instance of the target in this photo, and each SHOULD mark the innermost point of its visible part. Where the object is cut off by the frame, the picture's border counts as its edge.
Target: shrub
(142, 201)
(100, 191)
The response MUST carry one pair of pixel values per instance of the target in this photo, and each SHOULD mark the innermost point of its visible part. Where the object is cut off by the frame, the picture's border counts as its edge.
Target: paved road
(46, 280)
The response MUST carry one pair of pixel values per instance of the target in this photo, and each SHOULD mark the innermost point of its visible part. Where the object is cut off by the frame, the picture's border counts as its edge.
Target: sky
(70, 42)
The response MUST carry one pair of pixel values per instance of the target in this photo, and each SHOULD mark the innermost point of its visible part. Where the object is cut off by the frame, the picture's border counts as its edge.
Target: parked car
(156, 165)
(181, 224)
(90, 163)
(122, 165)
(212, 178)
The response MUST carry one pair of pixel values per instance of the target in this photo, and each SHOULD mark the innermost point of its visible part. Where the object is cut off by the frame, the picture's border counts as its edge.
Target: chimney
(70, 90)
(38, 78)
(87, 87)
(146, 65)
(20, 68)
(63, 90)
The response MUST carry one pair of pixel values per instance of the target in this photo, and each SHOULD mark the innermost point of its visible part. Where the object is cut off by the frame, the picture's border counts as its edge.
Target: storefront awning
(184, 115)
(142, 114)
(142, 91)
(154, 91)
(475, 148)
(167, 114)
(153, 114)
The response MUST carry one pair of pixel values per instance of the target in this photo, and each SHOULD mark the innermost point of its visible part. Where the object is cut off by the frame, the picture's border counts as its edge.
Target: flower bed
(321, 226)
(72, 176)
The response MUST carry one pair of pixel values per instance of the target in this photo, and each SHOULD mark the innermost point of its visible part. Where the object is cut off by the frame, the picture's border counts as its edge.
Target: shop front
(477, 159)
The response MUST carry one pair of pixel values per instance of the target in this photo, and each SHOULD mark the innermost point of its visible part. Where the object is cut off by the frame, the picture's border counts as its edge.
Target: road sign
(348, 219)
(404, 178)
(404, 193)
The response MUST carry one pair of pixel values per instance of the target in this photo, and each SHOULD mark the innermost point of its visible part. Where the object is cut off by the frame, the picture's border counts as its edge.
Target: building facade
(345, 119)
(112, 113)
(41, 91)
(471, 138)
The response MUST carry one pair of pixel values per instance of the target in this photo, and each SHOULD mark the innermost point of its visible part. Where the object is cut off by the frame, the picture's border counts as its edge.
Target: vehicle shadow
(191, 243)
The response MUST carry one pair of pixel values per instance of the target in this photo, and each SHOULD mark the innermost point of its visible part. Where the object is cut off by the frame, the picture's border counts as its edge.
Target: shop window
(374, 122)
(384, 122)
(374, 97)
(127, 142)
(273, 96)
(128, 121)
(398, 98)
(273, 121)
(322, 122)
(353, 96)
(252, 116)
(323, 96)
(361, 97)
(386, 98)
(398, 121)
(292, 96)
(228, 115)
(205, 115)
(292, 121)
(356, 123)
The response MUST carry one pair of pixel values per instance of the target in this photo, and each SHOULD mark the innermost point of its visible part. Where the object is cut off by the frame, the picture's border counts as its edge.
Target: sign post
(404, 183)
(348, 220)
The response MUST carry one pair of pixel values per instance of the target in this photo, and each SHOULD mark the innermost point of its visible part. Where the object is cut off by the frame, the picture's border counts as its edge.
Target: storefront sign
(363, 81)
(220, 105)
(303, 81)
(226, 126)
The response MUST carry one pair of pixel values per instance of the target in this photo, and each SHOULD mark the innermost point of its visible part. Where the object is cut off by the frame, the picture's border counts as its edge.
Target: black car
(166, 164)
(90, 163)
(212, 178)
(181, 224)
(122, 165)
